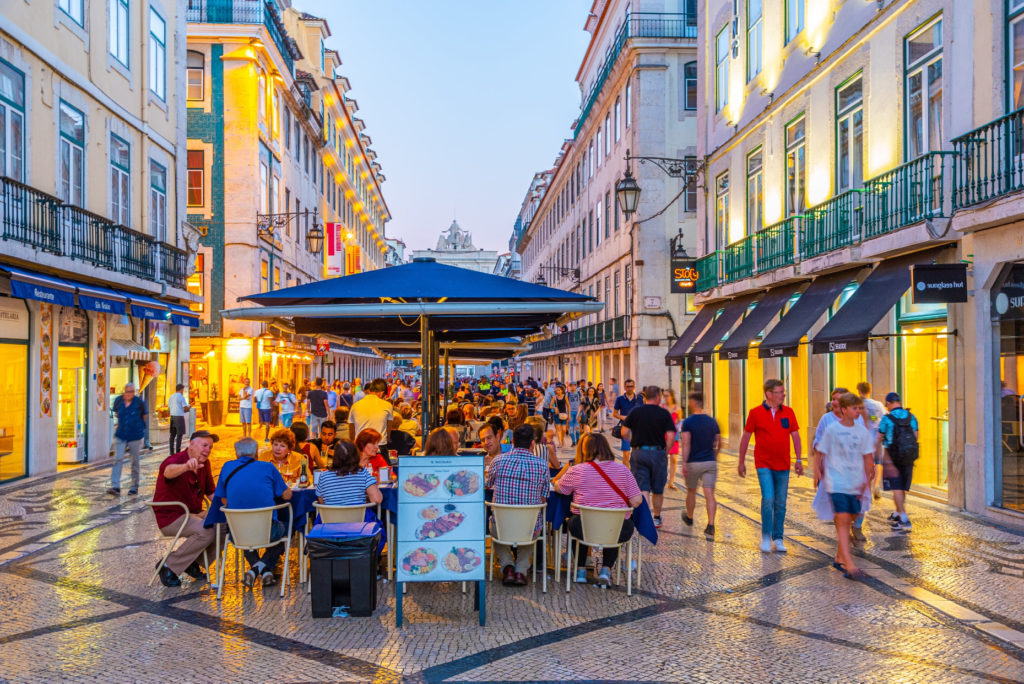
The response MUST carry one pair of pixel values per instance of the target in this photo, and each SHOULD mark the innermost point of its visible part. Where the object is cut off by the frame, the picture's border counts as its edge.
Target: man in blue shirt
(899, 484)
(248, 483)
(131, 414)
(623, 405)
(700, 442)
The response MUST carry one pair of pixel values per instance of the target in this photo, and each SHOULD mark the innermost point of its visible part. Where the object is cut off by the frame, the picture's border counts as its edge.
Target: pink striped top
(589, 488)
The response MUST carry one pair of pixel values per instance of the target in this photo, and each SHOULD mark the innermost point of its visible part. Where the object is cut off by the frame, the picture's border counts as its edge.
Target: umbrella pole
(447, 383)
(436, 377)
(425, 375)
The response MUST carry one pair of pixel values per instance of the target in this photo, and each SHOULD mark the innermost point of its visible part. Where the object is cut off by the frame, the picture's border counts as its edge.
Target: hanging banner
(45, 359)
(322, 347)
(684, 276)
(939, 283)
(101, 362)
(334, 249)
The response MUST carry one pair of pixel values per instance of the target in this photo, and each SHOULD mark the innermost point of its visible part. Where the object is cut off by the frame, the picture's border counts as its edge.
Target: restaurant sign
(939, 283)
(684, 276)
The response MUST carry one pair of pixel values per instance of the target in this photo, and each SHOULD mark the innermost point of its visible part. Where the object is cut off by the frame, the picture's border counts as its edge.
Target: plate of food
(419, 561)
(462, 483)
(462, 559)
(432, 529)
(435, 512)
(420, 484)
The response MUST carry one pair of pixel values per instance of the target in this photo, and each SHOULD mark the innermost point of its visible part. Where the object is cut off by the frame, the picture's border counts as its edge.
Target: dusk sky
(464, 101)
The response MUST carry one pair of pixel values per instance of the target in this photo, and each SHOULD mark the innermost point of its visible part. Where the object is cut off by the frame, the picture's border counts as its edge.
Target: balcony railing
(738, 260)
(776, 245)
(708, 271)
(613, 330)
(833, 224)
(44, 222)
(637, 25)
(990, 160)
(243, 12)
(905, 195)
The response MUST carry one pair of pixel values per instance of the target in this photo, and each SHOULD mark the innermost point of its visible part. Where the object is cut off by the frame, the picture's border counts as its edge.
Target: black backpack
(903, 450)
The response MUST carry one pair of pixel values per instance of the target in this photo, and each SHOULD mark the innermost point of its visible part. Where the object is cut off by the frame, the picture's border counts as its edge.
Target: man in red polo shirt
(772, 424)
(186, 477)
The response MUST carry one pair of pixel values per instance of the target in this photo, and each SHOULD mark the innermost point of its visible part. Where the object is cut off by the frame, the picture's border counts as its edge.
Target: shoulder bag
(615, 487)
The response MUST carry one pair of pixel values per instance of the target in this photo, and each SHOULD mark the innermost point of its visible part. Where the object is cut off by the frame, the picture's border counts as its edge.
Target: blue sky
(464, 100)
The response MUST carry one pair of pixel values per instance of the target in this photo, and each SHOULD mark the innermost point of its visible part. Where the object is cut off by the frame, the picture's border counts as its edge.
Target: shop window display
(13, 402)
(72, 385)
(721, 379)
(926, 395)
(1008, 317)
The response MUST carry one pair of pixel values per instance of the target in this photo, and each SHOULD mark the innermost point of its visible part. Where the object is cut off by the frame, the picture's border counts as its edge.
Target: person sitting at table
(340, 416)
(247, 483)
(490, 441)
(347, 483)
(440, 442)
(408, 424)
(326, 442)
(542, 446)
(588, 486)
(313, 456)
(453, 419)
(368, 447)
(518, 478)
(282, 454)
(186, 477)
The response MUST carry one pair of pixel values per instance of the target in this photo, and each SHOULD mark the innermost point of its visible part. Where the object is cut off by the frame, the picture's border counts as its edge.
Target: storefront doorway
(13, 388)
(72, 386)
(1008, 317)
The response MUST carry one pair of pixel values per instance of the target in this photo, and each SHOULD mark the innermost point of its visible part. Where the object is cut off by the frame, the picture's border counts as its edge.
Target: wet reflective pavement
(946, 603)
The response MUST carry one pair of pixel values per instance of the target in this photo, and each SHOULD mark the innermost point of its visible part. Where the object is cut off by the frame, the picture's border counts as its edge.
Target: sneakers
(858, 535)
(581, 576)
(901, 525)
(766, 544)
(687, 519)
(249, 578)
(893, 517)
(268, 579)
(604, 578)
(114, 491)
(168, 578)
(780, 546)
(709, 532)
(133, 491)
(657, 521)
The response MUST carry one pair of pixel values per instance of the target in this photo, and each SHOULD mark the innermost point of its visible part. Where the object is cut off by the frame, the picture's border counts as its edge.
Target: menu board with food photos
(441, 519)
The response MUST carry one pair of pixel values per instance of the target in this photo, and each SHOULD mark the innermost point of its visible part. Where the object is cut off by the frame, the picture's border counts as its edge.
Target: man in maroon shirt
(186, 477)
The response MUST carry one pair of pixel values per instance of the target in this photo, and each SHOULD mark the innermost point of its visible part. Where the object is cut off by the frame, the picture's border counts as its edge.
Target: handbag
(617, 430)
(563, 416)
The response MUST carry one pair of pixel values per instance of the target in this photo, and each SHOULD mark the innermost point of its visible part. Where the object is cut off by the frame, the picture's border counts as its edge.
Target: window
(618, 106)
(157, 201)
(195, 284)
(690, 86)
(690, 196)
(74, 9)
(195, 75)
(629, 98)
(72, 155)
(755, 192)
(607, 212)
(796, 167)
(120, 181)
(923, 54)
(588, 238)
(12, 122)
(616, 213)
(195, 172)
(287, 128)
(794, 18)
(275, 192)
(607, 134)
(597, 149)
(264, 275)
(261, 97)
(755, 39)
(722, 69)
(627, 277)
(615, 301)
(157, 55)
(264, 198)
(119, 30)
(850, 134)
(607, 295)
(722, 210)
(287, 205)
(1015, 40)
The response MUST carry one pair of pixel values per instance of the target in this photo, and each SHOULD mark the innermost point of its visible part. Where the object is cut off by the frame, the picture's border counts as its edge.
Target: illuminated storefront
(14, 349)
(72, 385)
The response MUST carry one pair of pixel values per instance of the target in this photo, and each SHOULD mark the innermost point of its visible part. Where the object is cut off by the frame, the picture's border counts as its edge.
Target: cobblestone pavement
(945, 604)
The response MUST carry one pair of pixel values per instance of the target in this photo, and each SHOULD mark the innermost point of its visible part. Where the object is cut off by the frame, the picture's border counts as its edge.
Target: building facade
(455, 248)
(284, 187)
(93, 256)
(838, 170)
(638, 85)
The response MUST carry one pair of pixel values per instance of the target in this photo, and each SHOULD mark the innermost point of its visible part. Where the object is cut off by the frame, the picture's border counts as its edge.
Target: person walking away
(264, 398)
(132, 417)
(177, 407)
(332, 398)
(185, 476)
(669, 403)
(773, 425)
(575, 397)
(872, 413)
(699, 442)
(319, 407)
(899, 433)
(286, 403)
(650, 431)
(624, 403)
(832, 416)
(346, 398)
(372, 412)
(549, 394)
(245, 396)
(846, 467)
(247, 483)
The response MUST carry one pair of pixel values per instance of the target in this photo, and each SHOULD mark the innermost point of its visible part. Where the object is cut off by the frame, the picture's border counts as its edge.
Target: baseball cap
(891, 397)
(198, 434)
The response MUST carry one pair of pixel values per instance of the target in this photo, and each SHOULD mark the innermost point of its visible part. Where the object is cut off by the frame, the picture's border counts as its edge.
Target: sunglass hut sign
(939, 283)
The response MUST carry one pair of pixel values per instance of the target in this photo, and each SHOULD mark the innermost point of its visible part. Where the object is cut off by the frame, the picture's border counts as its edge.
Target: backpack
(903, 450)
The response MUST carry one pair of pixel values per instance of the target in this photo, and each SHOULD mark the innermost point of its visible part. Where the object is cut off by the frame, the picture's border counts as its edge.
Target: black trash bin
(343, 559)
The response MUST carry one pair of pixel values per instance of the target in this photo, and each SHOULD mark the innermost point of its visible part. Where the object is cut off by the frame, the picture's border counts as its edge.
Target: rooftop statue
(454, 239)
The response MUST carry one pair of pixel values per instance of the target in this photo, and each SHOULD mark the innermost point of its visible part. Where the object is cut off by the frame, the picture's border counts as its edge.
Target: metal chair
(515, 526)
(181, 528)
(601, 528)
(250, 531)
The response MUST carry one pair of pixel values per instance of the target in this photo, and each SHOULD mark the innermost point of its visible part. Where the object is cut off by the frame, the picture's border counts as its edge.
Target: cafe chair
(174, 542)
(250, 530)
(514, 526)
(601, 528)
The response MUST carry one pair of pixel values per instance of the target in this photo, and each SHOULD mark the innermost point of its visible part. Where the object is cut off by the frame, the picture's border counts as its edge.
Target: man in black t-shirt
(699, 444)
(318, 406)
(650, 431)
(326, 441)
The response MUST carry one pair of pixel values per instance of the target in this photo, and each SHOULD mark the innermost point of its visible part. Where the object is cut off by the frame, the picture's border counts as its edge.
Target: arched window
(196, 75)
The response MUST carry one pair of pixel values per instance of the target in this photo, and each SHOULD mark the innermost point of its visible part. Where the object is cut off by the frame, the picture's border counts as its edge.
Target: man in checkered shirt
(518, 478)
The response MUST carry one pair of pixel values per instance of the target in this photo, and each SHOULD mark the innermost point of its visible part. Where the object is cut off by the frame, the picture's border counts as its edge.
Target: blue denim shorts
(845, 503)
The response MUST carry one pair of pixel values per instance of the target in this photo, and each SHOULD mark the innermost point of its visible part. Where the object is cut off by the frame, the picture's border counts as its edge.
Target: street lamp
(267, 225)
(678, 250)
(628, 192)
(315, 239)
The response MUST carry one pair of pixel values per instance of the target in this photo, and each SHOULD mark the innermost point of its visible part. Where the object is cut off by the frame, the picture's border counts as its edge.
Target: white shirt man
(372, 412)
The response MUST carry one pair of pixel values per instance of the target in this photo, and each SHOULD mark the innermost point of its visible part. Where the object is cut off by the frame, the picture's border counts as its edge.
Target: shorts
(703, 472)
(650, 468)
(266, 416)
(845, 503)
(245, 414)
(625, 445)
(286, 419)
(900, 481)
(558, 421)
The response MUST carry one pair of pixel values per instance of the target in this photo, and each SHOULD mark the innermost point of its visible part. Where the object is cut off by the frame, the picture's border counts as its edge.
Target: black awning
(678, 351)
(705, 346)
(784, 339)
(738, 344)
(850, 327)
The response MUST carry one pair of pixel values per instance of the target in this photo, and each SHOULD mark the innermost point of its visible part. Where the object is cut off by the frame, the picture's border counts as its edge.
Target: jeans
(286, 419)
(574, 426)
(177, 433)
(774, 488)
(134, 447)
(314, 424)
(273, 554)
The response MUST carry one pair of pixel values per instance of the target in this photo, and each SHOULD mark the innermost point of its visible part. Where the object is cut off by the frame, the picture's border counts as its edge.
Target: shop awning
(784, 339)
(678, 351)
(43, 288)
(94, 298)
(181, 315)
(129, 349)
(738, 344)
(148, 308)
(731, 312)
(850, 328)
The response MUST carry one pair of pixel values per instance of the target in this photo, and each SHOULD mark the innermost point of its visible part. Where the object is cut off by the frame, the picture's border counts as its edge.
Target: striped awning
(129, 349)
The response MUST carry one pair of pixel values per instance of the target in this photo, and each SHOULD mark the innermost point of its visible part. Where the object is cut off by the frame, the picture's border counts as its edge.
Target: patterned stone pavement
(944, 605)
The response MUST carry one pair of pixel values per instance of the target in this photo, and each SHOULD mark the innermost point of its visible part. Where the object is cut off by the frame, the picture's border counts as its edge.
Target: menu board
(441, 519)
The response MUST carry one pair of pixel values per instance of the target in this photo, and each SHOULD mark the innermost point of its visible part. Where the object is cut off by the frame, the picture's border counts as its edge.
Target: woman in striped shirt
(346, 483)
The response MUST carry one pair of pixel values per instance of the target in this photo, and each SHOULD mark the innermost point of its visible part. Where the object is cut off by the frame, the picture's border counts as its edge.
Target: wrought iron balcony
(833, 224)
(738, 260)
(246, 12)
(990, 161)
(708, 271)
(613, 330)
(910, 193)
(776, 245)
